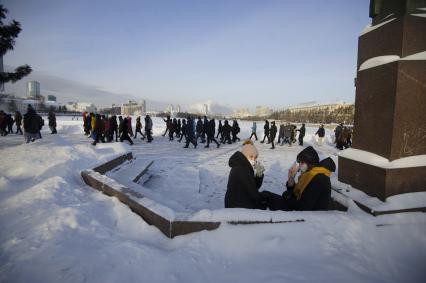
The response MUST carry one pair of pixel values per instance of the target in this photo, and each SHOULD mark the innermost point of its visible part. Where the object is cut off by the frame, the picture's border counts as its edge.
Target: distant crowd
(31, 121)
(103, 128)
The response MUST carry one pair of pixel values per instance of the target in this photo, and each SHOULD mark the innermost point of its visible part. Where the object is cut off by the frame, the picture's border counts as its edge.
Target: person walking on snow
(302, 132)
(321, 134)
(211, 127)
(253, 131)
(139, 128)
(266, 132)
(52, 122)
(272, 134)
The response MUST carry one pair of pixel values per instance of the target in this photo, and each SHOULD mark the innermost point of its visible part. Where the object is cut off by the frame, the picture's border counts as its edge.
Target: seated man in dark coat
(313, 189)
(245, 179)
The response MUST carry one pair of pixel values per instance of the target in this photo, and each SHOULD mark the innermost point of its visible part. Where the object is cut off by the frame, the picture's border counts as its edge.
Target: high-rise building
(33, 90)
(51, 98)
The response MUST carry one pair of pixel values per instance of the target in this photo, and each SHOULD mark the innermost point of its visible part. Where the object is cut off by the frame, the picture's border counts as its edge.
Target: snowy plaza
(57, 229)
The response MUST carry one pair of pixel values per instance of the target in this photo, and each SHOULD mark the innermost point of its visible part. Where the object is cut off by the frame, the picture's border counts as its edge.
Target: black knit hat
(309, 156)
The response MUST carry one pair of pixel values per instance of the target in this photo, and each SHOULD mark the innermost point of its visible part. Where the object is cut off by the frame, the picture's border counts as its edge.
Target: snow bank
(377, 61)
(397, 202)
(419, 15)
(370, 28)
(381, 60)
(379, 161)
(69, 232)
(416, 56)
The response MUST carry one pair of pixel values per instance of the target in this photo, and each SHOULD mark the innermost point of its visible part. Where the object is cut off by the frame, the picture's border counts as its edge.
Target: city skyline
(236, 53)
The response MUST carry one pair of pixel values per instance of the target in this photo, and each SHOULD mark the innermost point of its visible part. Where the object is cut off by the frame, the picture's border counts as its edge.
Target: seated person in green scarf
(313, 188)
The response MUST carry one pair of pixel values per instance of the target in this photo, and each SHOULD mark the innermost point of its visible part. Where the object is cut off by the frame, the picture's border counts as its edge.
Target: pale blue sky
(238, 53)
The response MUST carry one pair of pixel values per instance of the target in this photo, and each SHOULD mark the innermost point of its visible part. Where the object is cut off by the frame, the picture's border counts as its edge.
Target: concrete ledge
(108, 166)
(381, 182)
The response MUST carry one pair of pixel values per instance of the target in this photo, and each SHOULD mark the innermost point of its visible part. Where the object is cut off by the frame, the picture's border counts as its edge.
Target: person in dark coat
(18, 121)
(235, 130)
(281, 133)
(226, 129)
(219, 131)
(52, 122)
(302, 132)
(321, 134)
(183, 130)
(313, 189)
(167, 121)
(120, 125)
(337, 132)
(125, 132)
(266, 132)
(9, 122)
(40, 121)
(189, 135)
(2, 123)
(245, 179)
(199, 130)
(31, 125)
(139, 129)
(272, 134)
(178, 128)
(148, 128)
(114, 128)
(172, 128)
(211, 128)
(86, 124)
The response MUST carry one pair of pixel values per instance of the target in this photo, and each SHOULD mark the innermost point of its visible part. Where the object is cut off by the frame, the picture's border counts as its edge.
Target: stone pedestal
(390, 104)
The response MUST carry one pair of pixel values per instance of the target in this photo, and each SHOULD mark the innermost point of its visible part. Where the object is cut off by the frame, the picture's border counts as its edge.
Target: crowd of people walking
(31, 121)
(104, 128)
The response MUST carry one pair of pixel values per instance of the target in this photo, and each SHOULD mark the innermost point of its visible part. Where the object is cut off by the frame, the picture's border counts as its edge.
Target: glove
(259, 169)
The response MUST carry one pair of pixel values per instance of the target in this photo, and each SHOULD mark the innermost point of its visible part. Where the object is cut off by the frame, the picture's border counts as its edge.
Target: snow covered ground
(54, 228)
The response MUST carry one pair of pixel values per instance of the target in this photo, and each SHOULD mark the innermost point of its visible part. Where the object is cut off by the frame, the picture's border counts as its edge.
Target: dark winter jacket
(199, 126)
(266, 128)
(302, 131)
(211, 128)
(52, 119)
(18, 119)
(316, 195)
(190, 128)
(320, 132)
(226, 129)
(98, 126)
(31, 122)
(273, 132)
(148, 123)
(138, 125)
(219, 129)
(205, 125)
(243, 186)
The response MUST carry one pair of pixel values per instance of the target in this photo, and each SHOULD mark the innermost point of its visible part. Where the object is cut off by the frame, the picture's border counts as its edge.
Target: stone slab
(381, 182)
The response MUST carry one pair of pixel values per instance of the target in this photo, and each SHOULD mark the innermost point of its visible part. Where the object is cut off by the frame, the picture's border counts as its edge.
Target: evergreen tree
(8, 34)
